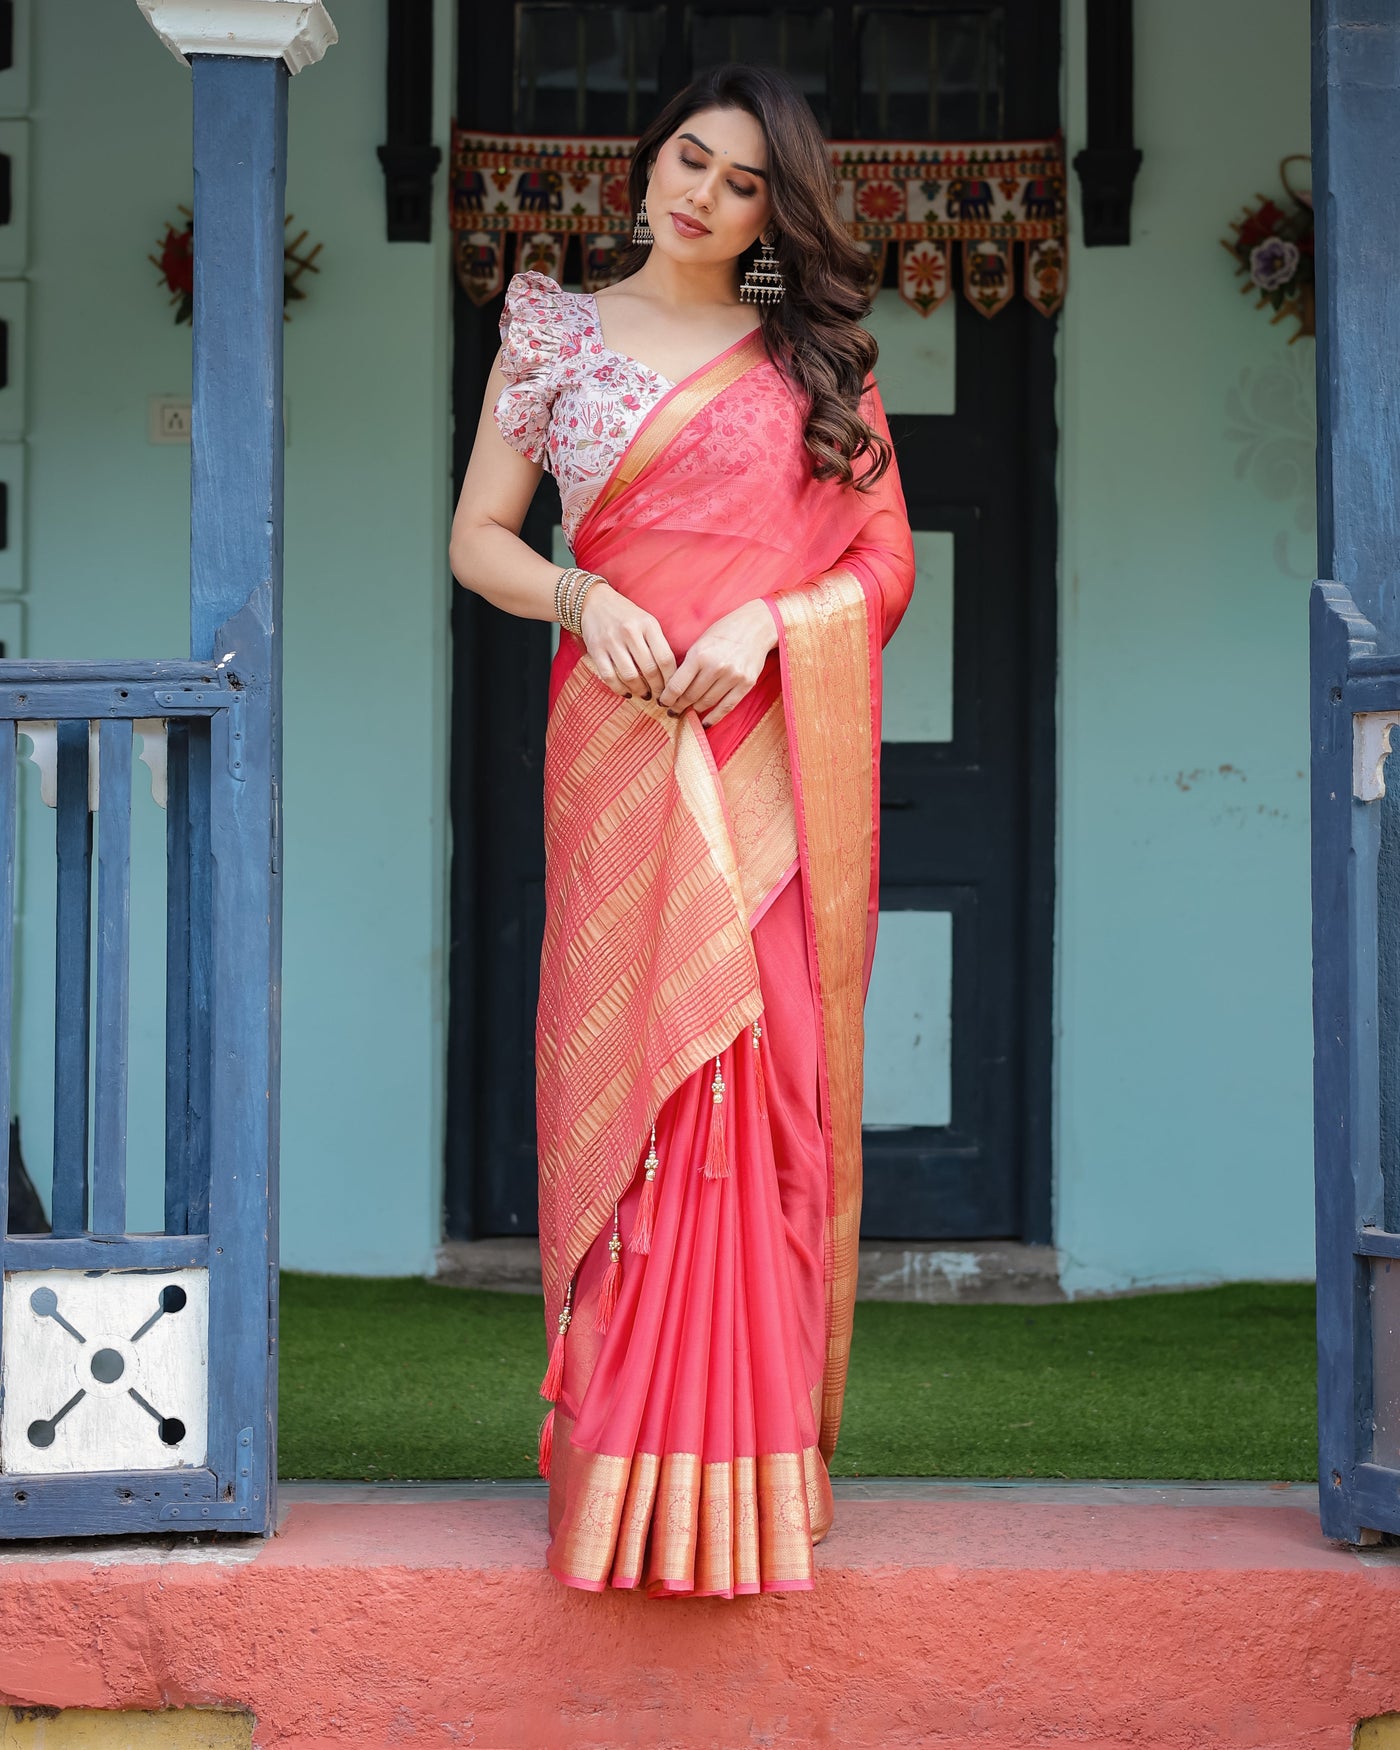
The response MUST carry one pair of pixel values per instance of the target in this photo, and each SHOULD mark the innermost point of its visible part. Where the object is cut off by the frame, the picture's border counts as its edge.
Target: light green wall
(1183, 1054)
(367, 592)
(1182, 1050)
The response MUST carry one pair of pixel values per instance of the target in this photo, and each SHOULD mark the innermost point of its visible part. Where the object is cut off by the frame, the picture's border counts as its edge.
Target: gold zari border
(827, 689)
(731, 1526)
(757, 784)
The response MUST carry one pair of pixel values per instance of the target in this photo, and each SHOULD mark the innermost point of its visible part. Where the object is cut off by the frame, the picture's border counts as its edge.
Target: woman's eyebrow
(709, 154)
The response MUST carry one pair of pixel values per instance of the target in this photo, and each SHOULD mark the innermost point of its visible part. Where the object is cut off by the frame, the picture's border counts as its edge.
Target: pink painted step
(950, 1615)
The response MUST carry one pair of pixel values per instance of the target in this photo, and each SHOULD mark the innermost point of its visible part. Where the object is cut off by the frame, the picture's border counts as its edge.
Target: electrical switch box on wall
(12, 499)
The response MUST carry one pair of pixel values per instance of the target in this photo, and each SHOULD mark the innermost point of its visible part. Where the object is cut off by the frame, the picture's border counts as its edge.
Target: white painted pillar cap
(295, 31)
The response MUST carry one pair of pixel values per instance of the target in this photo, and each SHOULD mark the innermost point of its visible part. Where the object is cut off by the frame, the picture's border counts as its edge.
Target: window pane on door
(1385, 1351)
(919, 660)
(908, 1021)
(798, 42)
(586, 69)
(916, 369)
(930, 75)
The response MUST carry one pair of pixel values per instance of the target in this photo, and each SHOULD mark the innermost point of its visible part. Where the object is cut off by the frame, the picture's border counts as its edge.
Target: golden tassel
(644, 1227)
(716, 1159)
(553, 1382)
(612, 1280)
(758, 1072)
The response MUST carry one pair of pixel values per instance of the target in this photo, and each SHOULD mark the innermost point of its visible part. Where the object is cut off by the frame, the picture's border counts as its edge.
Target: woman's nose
(703, 194)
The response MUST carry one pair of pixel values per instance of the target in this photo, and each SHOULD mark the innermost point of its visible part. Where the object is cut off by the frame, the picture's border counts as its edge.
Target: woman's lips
(689, 227)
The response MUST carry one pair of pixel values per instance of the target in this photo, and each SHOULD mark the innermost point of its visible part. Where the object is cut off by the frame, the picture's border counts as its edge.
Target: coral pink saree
(710, 907)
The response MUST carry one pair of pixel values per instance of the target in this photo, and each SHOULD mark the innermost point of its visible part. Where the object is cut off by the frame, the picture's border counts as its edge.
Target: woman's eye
(694, 164)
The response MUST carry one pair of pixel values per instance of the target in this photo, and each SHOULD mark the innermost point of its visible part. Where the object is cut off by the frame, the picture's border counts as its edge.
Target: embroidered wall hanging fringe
(989, 199)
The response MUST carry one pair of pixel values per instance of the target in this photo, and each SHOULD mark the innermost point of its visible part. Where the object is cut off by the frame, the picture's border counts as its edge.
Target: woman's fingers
(625, 668)
(604, 666)
(675, 694)
(735, 696)
(640, 655)
(708, 684)
(648, 672)
(663, 662)
(705, 699)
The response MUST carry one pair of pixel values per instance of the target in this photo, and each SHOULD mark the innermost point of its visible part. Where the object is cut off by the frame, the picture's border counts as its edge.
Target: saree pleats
(686, 1452)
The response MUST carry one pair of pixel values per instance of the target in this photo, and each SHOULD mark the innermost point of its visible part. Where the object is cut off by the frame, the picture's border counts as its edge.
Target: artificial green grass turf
(397, 1378)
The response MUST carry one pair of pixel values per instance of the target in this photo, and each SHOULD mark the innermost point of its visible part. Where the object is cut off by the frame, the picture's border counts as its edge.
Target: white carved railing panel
(105, 1372)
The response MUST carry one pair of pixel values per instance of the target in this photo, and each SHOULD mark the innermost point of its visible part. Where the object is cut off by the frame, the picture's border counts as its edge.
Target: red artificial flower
(1264, 222)
(177, 260)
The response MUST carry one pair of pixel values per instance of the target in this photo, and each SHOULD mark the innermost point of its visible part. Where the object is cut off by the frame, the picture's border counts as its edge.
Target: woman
(730, 497)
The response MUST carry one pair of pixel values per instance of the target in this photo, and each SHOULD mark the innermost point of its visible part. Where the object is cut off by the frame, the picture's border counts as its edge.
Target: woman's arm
(487, 556)
(882, 552)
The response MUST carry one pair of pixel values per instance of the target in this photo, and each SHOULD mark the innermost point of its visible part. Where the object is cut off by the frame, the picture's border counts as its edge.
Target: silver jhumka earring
(763, 283)
(641, 231)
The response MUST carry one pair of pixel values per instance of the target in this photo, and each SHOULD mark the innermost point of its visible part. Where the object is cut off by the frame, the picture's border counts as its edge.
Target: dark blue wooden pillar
(240, 173)
(1356, 146)
(1355, 676)
(240, 135)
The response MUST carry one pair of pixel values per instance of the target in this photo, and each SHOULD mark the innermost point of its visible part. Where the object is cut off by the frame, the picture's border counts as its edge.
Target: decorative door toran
(994, 201)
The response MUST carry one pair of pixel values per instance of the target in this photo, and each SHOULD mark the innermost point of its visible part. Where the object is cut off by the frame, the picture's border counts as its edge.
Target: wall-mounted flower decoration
(1273, 248)
(175, 265)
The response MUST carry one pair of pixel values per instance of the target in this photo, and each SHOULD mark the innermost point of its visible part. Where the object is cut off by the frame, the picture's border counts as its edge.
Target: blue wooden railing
(138, 1370)
(188, 1413)
(1356, 1023)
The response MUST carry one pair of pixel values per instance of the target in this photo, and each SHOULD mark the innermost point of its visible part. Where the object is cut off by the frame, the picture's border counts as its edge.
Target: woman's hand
(722, 664)
(626, 643)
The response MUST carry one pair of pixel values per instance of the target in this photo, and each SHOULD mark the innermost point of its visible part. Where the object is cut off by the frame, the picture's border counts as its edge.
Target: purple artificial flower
(1273, 263)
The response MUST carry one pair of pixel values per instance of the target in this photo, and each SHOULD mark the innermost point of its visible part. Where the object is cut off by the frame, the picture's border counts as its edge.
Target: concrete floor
(977, 1271)
(947, 1613)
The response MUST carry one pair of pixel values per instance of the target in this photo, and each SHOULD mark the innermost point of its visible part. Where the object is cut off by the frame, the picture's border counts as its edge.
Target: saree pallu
(710, 902)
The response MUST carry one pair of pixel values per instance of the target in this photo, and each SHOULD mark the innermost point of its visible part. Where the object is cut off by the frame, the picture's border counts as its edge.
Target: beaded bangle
(576, 606)
(570, 595)
(569, 592)
(565, 583)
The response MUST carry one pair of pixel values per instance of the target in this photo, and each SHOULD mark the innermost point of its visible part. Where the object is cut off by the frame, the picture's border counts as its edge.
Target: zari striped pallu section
(648, 881)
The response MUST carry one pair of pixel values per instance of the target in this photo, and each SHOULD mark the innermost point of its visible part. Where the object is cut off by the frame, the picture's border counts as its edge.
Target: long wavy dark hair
(814, 335)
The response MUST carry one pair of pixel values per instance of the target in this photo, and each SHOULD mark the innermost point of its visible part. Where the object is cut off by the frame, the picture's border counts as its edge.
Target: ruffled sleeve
(533, 327)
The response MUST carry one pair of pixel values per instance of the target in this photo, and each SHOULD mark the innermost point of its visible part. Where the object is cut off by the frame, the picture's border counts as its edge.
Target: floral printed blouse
(569, 401)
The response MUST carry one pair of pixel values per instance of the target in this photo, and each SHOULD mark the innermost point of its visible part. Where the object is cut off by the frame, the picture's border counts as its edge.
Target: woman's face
(708, 197)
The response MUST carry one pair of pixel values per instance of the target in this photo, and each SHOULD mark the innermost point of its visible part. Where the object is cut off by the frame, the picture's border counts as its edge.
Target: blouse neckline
(612, 351)
(650, 370)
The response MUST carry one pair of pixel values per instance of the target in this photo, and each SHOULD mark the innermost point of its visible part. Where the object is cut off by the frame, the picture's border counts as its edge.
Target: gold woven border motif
(593, 1516)
(827, 689)
(734, 1525)
(784, 1525)
(675, 1522)
(757, 785)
